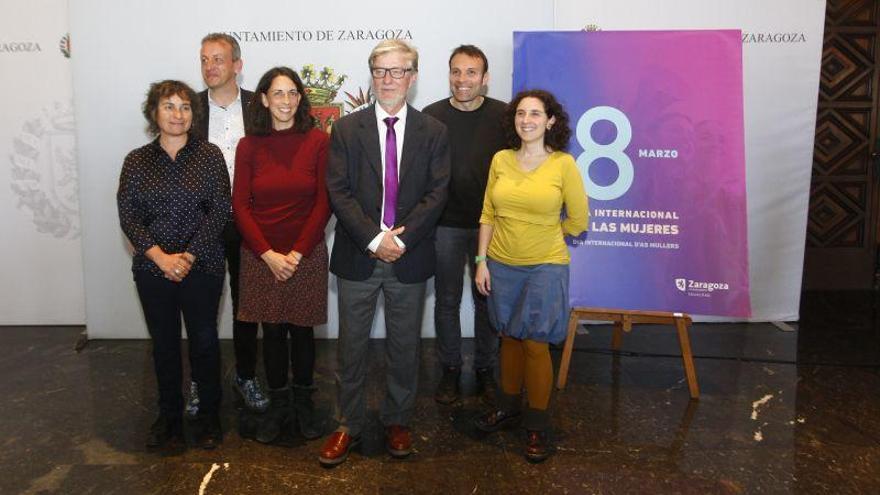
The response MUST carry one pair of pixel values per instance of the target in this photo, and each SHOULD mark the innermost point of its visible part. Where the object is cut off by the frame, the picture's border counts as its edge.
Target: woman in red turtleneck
(281, 208)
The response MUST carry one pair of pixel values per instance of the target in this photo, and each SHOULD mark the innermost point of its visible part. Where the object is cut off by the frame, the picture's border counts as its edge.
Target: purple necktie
(390, 172)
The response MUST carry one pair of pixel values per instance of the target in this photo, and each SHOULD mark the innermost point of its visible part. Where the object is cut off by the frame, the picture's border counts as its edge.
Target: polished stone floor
(780, 412)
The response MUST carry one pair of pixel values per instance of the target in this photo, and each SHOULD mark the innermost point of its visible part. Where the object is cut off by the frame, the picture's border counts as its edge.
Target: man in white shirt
(224, 121)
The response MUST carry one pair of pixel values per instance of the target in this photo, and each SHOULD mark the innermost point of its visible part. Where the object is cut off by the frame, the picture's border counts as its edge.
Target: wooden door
(841, 251)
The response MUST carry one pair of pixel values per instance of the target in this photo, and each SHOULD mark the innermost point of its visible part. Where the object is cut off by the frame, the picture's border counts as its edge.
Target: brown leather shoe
(335, 450)
(398, 441)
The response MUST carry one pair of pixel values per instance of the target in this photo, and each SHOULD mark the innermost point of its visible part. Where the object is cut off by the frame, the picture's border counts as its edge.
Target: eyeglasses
(396, 72)
(279, 95)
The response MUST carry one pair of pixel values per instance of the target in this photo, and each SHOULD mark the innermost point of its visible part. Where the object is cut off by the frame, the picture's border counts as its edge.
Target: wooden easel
(623, 321)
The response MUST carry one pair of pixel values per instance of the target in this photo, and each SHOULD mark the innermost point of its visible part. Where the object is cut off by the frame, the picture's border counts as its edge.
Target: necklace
(528, 162)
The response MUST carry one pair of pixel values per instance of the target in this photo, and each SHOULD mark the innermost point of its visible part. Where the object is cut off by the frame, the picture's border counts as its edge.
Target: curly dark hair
(556, 138)
(167, 89)
(261, 118)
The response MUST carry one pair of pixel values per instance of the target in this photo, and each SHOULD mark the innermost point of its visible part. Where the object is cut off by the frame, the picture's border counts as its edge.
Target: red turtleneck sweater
(279, 196)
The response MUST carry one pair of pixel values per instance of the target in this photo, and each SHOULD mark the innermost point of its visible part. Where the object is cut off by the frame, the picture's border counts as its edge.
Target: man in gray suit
(387, 175)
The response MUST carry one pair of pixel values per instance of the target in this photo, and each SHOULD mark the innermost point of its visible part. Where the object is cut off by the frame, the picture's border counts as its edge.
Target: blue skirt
(529, 302)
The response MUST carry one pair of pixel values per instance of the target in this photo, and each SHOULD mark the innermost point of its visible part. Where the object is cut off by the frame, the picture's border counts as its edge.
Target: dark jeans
(278, 360)
(163, 301)
(455, 248)
(244, 333)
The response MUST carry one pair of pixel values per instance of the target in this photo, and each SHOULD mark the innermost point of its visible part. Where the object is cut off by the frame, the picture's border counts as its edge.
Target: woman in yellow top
(534, 197)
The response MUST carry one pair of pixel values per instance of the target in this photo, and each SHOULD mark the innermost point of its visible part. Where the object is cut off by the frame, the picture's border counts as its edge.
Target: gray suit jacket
(355, 182)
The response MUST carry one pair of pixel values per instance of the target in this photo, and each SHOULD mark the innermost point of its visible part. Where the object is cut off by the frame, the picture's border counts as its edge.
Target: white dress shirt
(225, 128)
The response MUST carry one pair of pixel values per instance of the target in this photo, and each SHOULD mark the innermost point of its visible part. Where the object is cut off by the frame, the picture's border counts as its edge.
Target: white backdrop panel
(40, 251)
(115, 61)
(147, 41)
(782, 48)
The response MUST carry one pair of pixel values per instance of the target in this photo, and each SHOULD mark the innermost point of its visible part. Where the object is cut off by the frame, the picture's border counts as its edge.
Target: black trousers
(197, 297)
(301, 354)
(244, 333)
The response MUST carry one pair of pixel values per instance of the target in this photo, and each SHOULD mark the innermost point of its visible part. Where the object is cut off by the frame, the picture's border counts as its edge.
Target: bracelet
(478, 259)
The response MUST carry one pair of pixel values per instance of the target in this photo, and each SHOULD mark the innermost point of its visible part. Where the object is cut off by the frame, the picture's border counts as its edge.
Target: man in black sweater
(475, 135)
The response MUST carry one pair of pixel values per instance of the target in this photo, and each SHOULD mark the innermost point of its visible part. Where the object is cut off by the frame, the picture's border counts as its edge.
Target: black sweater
(474, 138)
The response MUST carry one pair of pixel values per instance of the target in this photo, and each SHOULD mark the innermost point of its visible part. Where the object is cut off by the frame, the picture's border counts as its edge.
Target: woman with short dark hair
(534, 197)
(173, 202)
(281, 209)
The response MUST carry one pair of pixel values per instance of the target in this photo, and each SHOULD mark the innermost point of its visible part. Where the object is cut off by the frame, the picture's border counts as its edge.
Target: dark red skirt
(300, 300)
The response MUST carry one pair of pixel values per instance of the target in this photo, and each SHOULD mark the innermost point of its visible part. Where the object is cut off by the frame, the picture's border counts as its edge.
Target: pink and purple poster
(657, 132)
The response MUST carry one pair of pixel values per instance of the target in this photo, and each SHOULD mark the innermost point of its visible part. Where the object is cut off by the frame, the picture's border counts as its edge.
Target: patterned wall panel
(841, 196)
(856, 13)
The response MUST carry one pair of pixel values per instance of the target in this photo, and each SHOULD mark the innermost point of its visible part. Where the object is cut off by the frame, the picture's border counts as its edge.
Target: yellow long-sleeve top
(524, 208)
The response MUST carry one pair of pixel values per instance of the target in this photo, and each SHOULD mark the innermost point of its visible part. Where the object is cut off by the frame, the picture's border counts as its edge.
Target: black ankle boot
(448, 389)
(487, 388)
(506, 414)
(538, 445)
(164, 430)
(304, 407)
(209, 433)
(273, 420)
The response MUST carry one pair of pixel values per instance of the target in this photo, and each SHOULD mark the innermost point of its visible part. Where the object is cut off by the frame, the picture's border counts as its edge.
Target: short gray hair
(229, 40)
(395, 45)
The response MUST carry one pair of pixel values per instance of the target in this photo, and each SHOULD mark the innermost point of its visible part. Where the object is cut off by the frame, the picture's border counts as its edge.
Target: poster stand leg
(623, 321)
